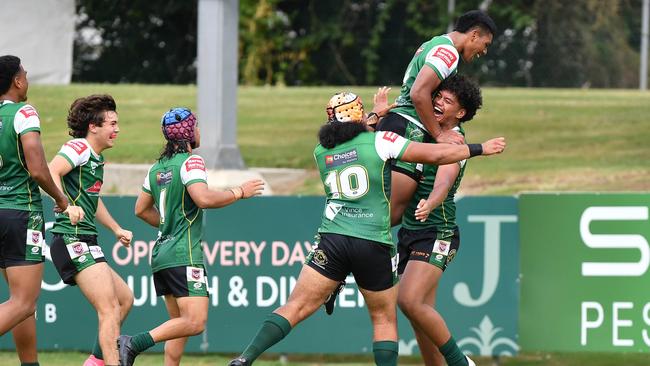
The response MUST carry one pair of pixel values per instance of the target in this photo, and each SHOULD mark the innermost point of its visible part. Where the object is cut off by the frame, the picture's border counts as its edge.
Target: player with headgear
(355, 233)
(174, 194)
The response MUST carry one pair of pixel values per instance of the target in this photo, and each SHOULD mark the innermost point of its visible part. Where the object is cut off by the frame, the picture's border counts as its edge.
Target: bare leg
(173, 347)
(402, 189)
(383, 313)
(193, 314)
(97, 284)
(24, 287)
(24, 336)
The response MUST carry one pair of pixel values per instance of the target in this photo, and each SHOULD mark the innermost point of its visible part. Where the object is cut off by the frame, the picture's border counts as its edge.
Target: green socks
(97, 350)
(142, 341)
(274, 328)
(385, 353)
(452, 353)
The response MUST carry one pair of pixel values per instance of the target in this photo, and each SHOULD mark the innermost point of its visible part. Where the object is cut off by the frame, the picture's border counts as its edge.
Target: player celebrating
(79, 169)
(174, 194)
(24, 169)
(433, 62)
(355, 231)
(429, 240)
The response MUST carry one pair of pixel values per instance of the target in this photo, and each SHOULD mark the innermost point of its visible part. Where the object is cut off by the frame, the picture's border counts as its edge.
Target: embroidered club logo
(78, 248)
(443, 246)
(36, 237)
(95, 187)
(196, 274)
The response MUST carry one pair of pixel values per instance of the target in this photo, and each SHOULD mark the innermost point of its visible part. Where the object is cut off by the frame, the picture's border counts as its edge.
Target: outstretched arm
(204, 197)
(441, 154)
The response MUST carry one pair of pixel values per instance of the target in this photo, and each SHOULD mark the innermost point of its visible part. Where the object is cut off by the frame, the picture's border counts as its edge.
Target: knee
(196, 325)
(126, 303)
(109, 312)
(408, 305)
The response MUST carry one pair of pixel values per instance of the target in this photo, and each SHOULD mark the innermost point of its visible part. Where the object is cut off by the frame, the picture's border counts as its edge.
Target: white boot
(470, 362)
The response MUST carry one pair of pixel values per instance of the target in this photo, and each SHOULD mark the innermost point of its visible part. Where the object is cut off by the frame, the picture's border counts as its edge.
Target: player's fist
(74, 213)
(124, 236)
(252, 188)
(494, 146)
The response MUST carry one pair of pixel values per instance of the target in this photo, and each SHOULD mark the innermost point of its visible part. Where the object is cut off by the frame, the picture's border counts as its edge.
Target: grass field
(558, 139)
(537, 359)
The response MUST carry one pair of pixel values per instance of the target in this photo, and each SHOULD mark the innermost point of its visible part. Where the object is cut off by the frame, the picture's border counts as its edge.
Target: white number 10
(352, 182)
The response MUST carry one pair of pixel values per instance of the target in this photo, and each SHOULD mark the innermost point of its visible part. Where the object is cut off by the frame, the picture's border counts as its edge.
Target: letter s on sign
(618, 241)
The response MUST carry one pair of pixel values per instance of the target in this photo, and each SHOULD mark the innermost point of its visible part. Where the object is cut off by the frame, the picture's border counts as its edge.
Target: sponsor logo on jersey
(95, 187)
(28, 111)
(163, 178)
(96, 251)
(194, 162)
(447, 56)
(390, 136)
(78, 146)
(341, 158)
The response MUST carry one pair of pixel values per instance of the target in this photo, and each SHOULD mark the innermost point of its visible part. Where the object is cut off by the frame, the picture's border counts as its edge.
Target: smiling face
(105, 134)
(447, 109)
(477, 44)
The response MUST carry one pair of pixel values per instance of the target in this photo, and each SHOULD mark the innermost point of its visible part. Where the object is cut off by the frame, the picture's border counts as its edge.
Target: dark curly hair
(172, 148)
(466, 91)
(334, 133)
(475, 18)
(9, 68)
(87, 110)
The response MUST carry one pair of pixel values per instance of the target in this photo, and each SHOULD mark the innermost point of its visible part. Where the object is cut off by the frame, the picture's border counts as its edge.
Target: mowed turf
(527, 359)
(558, 139)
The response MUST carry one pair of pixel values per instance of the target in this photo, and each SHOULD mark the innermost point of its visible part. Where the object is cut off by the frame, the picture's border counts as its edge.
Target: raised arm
(441, 154)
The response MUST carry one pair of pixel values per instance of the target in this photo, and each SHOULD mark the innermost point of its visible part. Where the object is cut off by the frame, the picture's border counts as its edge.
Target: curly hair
(332, 134)
(87, 110)
(9, 68)
(467, 92)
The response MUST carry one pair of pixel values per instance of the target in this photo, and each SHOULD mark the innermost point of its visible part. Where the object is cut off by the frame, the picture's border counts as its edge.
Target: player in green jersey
(433, 62)
(78, 168)
(24, 170)
(429, 238)
(355, 236)
(174, 194)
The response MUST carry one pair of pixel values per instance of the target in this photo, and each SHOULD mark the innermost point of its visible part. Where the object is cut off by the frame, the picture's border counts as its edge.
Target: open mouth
(437, 111)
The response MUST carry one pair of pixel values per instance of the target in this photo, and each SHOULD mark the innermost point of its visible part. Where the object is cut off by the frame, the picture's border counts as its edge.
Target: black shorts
(21, 237)
(425, 245)
(72, 254)
(373, 264)
(400, 125)
(181, 281)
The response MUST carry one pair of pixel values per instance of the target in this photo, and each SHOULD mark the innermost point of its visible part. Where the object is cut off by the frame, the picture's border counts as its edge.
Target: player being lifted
(355, 235)
(174, 194)
(79, 169)
(24, 170)
(429, 238)
(413, 117)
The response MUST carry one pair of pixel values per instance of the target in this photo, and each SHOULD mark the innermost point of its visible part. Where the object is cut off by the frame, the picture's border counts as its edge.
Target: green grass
(528, 359)
(558, 139)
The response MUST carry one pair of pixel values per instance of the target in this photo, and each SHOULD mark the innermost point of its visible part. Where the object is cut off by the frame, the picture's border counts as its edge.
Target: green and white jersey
(443, 217)
(181, 227)
(81, 185)
(356, 176)
(18, 190)
(437, 53)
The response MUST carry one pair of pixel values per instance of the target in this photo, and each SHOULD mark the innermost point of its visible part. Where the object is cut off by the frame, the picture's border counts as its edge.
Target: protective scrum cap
(178, 125)
(344, 107)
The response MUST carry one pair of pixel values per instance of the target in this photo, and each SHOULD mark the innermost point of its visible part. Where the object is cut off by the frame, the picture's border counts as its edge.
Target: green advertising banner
(584, 266)
(253, 254)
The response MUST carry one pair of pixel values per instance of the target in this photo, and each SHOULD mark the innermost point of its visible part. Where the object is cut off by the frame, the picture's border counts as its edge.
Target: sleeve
(76, 152)
(390, 145)
(443, 59)
(462, 162)
(26, 120)
(193, 171)
(146, 186)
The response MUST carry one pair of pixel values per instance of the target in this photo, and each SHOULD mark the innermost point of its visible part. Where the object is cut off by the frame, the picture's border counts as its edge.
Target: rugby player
(355, 236)
(429, 238)
(24, 170)
(413, 117)
(174, 194)
(78, 168)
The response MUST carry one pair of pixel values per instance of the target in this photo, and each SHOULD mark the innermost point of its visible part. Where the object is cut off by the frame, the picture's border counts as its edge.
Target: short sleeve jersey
(180, 227)
(81, 185)
(18, 190)
(443, 217)
(437, 53)
(356, 176)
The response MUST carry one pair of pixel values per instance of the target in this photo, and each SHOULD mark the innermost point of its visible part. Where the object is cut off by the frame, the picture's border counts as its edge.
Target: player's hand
(450, 137)
(494, 146)
(252, 188)
(58, 205)
(380, 100)
(74, 213)
(423, 210)
(124, 236)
